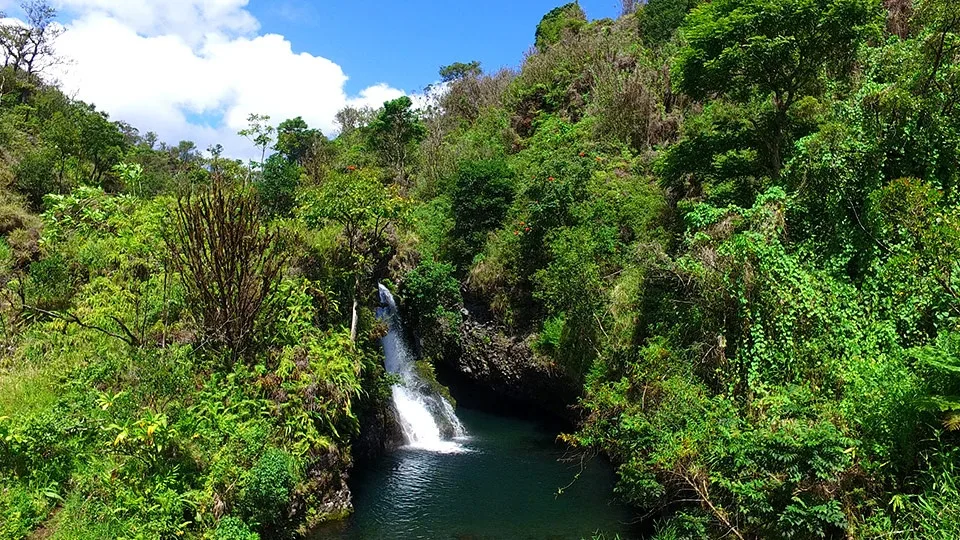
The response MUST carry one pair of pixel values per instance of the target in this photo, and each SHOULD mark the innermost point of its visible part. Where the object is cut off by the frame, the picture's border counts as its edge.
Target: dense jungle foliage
(734, 223)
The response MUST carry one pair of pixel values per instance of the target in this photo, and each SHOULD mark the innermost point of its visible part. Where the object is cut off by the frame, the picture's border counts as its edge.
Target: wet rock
(324, 495)
(506, 366)
(379, 431)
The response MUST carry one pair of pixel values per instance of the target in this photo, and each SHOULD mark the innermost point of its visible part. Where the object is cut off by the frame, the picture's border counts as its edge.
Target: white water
(427, 419)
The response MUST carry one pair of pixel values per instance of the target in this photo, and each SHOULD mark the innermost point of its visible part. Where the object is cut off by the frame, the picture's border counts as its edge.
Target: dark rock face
(506, 366)
(337, 501)
(324, 496)
(379, 432)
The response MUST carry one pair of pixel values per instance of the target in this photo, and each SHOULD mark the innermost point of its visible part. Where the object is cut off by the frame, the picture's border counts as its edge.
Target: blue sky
(404, 43)
(196, 69)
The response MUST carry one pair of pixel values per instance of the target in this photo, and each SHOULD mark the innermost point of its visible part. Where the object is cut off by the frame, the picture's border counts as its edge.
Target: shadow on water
(505, 485)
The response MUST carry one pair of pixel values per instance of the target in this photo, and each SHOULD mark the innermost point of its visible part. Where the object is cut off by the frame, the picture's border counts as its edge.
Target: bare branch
(129, 339)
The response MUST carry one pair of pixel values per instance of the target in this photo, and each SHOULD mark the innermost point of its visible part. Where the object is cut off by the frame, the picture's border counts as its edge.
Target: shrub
(566, 18)
(481, 198)
(36, 175)
(229, 264)
(572, 284)
(474, 92)
(267, 488)
(631, 97)
(50, 283)
(934, 512)
(548, 340)
(234, 528)
(432, 297)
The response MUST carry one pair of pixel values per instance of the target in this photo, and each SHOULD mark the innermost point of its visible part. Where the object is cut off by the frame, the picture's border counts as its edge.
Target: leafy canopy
(394, 134)
(778, 47)
(481, 198)
(460, 70)
(659, 19)
(568, 17)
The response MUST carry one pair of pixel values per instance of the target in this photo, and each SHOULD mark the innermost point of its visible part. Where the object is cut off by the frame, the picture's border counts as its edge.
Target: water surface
(503, 485)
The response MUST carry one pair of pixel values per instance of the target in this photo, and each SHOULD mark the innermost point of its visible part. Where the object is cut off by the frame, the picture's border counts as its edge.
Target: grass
(26, 391)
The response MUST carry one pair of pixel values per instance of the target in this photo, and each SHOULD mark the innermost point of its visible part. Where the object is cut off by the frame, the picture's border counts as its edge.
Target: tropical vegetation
(734, 224)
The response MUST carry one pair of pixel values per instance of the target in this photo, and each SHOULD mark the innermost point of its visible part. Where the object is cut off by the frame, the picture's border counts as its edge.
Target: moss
(319, 518)
(429, 375)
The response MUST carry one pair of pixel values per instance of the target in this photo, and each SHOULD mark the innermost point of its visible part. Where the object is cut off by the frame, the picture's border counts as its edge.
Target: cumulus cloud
(190, 19)
(151, 67)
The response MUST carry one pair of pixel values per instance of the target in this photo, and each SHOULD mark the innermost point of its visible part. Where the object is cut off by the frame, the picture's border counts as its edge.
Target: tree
(278, 184)
(101, 143)
(131, 135)
(460, 70)
(260, 133)
(350, 119)
(481, 198)
(566, 18)
(150, 139)
(779, 50)
(295, 140)
(659, 19)
(29, 47)
(394, 135)
(185, 152)
(62, 133)
(366, 209)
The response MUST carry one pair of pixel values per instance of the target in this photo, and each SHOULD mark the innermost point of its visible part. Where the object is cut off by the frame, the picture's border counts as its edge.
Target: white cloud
(375, 96)
(129, 60)
(190, 19)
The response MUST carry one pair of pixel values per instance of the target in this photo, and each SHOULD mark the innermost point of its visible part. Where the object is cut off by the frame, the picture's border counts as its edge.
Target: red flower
(583, 154)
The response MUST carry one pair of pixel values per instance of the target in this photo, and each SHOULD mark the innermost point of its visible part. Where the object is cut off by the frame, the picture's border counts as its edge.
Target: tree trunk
(355, 316)
(776, 161)
(63, 166)
(353, 321)
(779, 135)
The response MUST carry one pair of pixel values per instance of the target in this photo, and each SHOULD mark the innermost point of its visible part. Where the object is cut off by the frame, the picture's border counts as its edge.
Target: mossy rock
(427, 372)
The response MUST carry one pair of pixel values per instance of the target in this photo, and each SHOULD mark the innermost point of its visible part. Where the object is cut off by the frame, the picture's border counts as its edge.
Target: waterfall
(427, 419)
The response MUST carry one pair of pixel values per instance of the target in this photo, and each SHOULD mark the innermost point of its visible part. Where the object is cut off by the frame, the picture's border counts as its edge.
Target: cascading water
(427, 419)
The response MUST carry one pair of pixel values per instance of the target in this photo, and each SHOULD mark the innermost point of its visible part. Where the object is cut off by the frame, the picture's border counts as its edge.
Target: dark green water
(504, 485)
